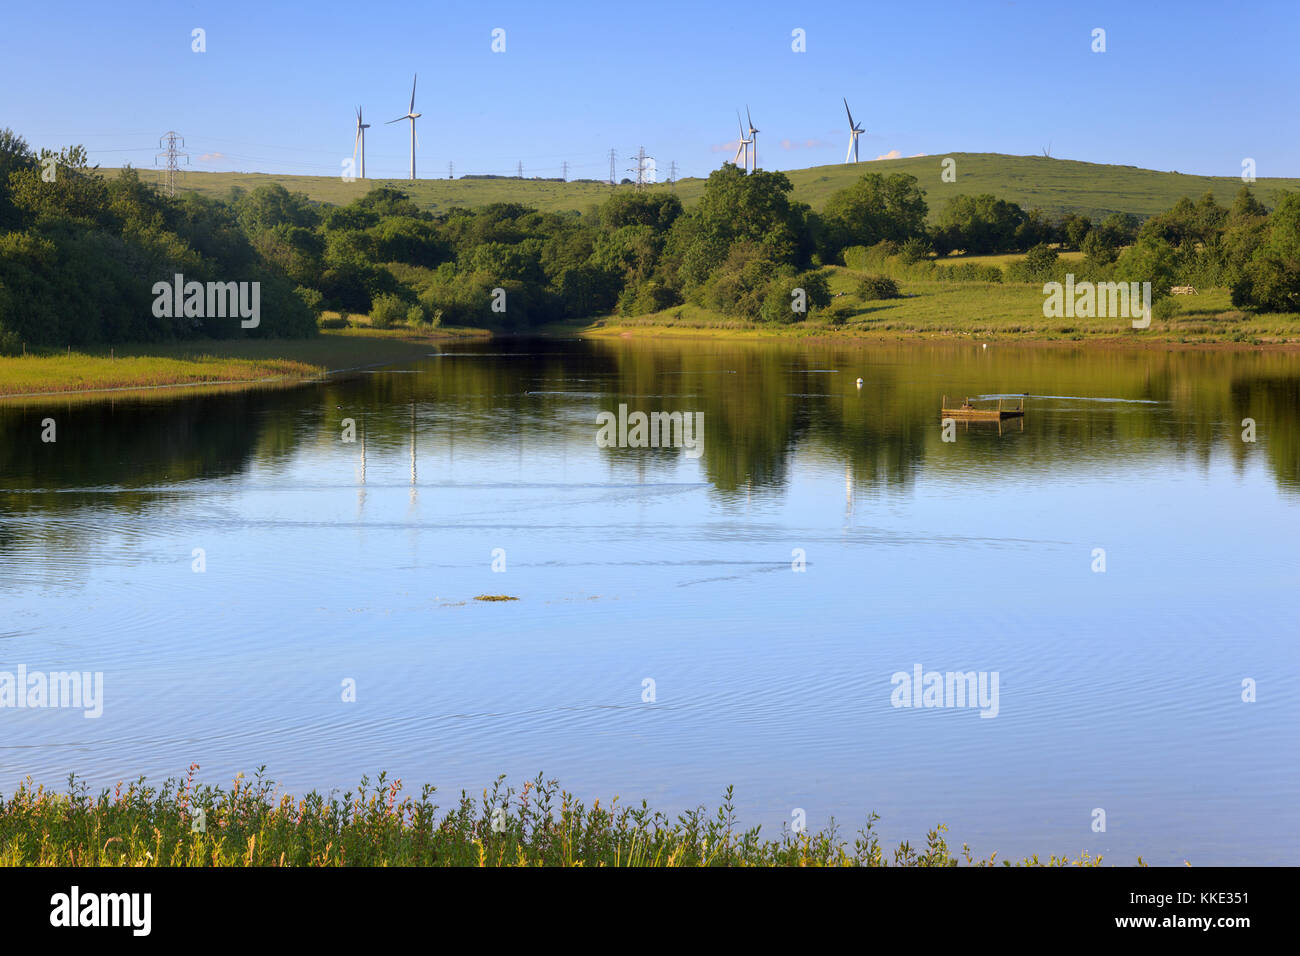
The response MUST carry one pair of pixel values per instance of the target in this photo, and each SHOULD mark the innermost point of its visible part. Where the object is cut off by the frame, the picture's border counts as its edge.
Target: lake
(1117, 572)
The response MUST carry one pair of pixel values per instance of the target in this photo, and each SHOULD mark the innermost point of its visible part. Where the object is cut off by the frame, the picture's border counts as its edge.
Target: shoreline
(207, 365)
(825, 335)
(285, 363)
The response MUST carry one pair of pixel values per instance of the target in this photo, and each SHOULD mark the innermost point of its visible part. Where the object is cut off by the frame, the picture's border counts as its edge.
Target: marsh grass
(233, 361)
(254, 824)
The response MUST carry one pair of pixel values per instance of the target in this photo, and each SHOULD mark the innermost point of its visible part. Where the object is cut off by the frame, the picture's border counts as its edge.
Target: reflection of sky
(1118, 690)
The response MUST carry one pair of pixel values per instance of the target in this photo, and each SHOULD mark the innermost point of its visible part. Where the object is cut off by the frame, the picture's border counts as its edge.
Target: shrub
(646, 297)
(914, 250)
(968, 272)
(779, 298)
(386, 310)
(878, 287)
(1038, 265)
(855, 257)
(311, 298)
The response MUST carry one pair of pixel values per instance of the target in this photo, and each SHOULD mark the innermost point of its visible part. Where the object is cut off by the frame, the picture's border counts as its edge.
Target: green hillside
(1057, 186)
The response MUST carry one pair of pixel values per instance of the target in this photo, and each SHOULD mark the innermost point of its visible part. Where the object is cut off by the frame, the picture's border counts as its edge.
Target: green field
(1007, 311)
(1057, 186)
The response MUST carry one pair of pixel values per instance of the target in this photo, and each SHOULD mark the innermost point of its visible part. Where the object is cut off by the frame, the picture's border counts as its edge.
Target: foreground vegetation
(253, 824)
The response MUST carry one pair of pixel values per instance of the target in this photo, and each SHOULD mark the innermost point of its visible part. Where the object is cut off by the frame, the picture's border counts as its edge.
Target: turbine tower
(360, 140)
(854, 131)
(411, 115)
(742, 147)
(753, 138)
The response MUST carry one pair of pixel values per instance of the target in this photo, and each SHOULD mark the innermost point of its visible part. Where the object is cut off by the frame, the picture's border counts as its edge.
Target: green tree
(978, 225)
(1271, 277)
(873, 209)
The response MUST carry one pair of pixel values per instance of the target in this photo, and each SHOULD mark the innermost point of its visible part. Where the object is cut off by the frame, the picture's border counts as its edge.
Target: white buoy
(986, 345)
(859, 383)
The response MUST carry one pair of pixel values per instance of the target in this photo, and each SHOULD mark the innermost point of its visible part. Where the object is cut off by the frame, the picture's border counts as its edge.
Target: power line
(640, 167)
(172, 154)
(213, 153)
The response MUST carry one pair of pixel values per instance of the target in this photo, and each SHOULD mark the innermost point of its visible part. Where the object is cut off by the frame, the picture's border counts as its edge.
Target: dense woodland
(80, 253)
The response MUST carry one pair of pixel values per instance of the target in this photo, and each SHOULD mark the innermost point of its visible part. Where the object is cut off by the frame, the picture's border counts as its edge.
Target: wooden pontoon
(969, 412)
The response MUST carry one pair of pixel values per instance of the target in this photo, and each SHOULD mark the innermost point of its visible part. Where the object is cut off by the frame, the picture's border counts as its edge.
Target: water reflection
(762, 402)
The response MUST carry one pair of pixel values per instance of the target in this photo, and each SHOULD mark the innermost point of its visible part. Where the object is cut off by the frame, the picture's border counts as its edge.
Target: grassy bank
(981, 311)
(227, 363)
(253, 824)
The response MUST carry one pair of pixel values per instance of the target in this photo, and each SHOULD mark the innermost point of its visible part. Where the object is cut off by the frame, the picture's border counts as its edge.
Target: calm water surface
(328, 561)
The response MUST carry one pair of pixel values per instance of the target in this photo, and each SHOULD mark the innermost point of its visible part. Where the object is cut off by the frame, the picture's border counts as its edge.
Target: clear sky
(1190, 86)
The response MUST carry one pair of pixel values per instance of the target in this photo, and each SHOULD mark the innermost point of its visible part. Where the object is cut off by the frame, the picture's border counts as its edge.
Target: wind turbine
(742, 147)
(411, 115)
(753, 138)
(854, 130)
(360, 141)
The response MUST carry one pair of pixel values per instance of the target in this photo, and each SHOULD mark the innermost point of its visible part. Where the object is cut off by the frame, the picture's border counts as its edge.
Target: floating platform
(969, 411)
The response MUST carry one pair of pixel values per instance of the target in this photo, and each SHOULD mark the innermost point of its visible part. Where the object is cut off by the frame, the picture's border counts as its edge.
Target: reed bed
(252, 823)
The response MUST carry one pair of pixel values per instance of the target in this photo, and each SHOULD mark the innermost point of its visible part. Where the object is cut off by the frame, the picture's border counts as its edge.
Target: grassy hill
(1056, 185)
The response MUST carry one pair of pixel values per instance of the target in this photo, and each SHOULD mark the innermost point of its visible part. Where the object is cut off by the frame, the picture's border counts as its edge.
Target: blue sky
(1193, 87)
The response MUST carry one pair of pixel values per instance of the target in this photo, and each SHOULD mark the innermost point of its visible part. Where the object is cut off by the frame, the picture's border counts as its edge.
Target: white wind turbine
(360, 140)
(854, 131)
(411, 115)
(742, 147)
(753, 138)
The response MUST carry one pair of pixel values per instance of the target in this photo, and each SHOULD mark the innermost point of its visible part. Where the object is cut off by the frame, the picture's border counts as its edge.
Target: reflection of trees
(1273, 403)
(132, 446)
(138, 443)
(761, 402)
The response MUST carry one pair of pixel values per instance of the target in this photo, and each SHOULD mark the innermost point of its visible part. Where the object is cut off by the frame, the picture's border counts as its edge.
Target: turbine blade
(414, 77)
(750, 118)
(850, 112)
(398, 120)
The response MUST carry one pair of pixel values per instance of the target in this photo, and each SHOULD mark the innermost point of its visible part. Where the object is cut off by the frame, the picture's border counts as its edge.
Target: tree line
(80, 253)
